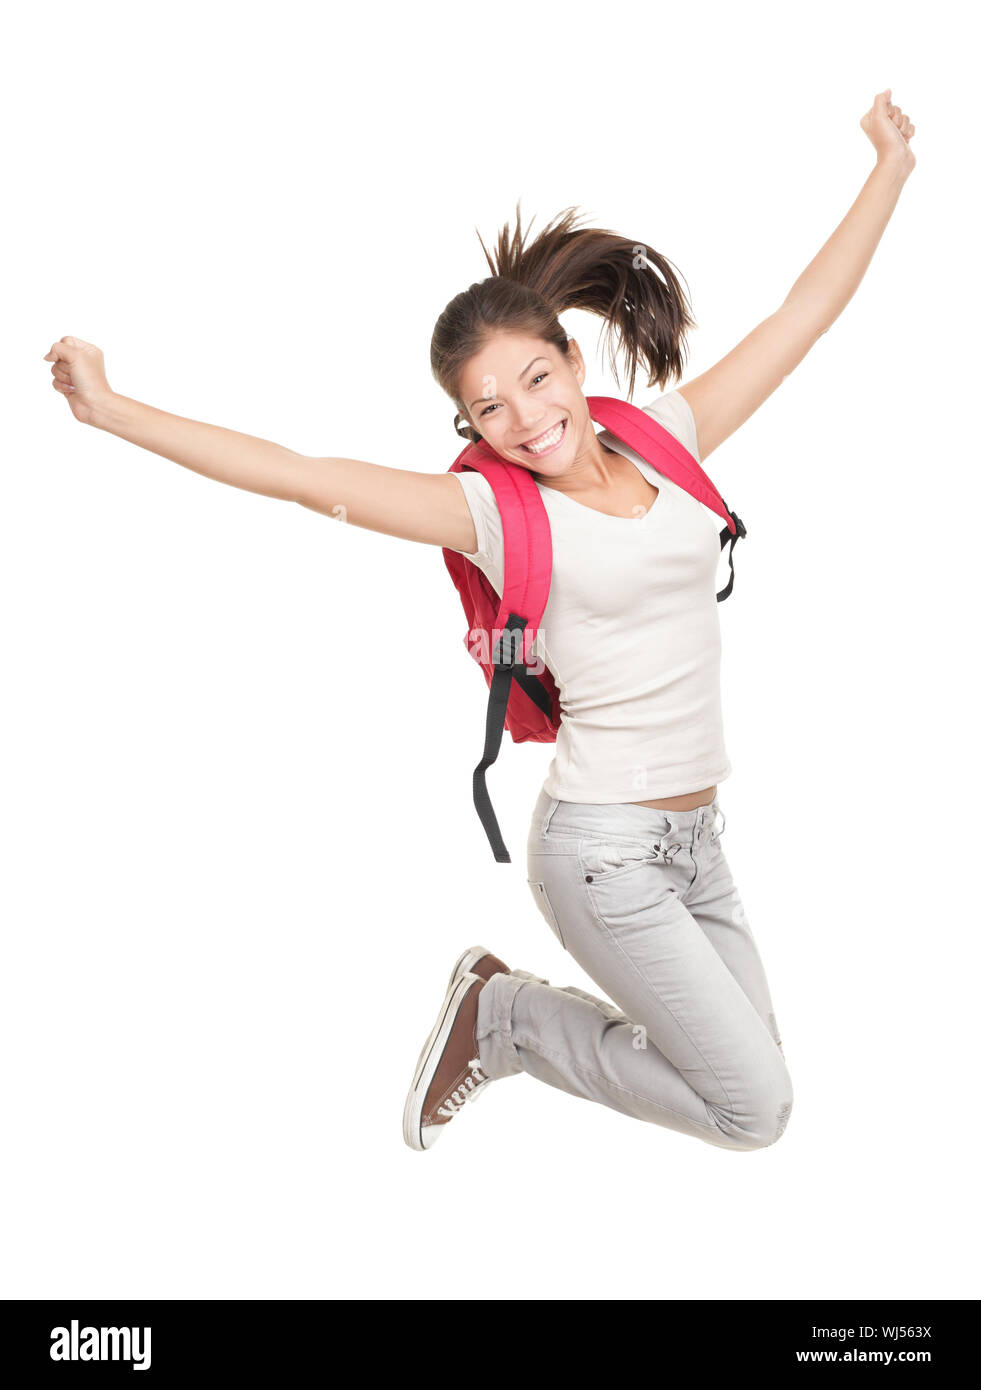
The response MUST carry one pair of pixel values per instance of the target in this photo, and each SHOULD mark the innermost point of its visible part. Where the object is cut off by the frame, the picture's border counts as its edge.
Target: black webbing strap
(506, 669)
(533, 688)
(727, 537)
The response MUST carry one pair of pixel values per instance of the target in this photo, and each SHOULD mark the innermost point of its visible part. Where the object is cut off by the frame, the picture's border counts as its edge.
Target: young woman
(636, 888)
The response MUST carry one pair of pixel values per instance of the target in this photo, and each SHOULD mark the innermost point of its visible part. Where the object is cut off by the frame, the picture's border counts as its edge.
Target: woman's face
(521, 391)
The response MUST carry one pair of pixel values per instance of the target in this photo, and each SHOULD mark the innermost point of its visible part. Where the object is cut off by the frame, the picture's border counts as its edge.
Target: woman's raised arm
(426, 507)
(726, 395)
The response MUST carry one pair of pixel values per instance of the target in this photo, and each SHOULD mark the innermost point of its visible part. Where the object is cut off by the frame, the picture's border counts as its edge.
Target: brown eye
(540, 377)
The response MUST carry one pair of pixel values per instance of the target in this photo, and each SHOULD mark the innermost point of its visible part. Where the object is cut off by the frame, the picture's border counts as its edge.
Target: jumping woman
(638, 891)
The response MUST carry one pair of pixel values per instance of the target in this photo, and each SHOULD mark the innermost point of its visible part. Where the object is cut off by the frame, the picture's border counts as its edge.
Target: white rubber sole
(429, 1059)
(467, 962)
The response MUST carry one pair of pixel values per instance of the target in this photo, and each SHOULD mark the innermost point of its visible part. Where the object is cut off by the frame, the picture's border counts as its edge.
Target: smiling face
(524, 395)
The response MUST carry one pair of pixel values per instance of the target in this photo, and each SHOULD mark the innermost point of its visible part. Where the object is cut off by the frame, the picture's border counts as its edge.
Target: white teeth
(546, 440)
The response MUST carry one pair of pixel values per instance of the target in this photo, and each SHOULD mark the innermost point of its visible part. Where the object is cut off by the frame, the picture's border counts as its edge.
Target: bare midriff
(681, 803)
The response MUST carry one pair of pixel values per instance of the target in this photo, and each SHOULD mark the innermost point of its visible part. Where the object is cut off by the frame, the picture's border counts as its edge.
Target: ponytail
(633, 288)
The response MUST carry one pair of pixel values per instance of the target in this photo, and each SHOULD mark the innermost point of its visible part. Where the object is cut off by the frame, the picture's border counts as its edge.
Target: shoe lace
(469, 1089)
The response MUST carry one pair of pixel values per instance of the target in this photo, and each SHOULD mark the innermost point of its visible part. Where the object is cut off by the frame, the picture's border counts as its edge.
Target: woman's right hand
(79, 373)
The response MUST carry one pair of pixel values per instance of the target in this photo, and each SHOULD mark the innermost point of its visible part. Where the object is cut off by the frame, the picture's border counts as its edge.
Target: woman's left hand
(889, 130)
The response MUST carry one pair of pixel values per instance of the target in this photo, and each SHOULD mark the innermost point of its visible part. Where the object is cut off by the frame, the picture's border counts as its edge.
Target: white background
(240, 849)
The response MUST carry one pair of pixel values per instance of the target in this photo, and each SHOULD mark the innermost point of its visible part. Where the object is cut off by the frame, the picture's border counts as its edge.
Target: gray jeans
(644, 901)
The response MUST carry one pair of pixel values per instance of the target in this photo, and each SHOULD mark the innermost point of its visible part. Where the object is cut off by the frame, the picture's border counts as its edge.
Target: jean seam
(536, 1046)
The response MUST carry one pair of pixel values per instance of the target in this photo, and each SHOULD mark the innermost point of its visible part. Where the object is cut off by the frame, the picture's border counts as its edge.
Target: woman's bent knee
(758, 1128)
(778, 1123)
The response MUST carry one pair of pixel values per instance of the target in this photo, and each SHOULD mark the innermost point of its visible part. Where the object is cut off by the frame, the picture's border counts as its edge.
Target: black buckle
(740, 528)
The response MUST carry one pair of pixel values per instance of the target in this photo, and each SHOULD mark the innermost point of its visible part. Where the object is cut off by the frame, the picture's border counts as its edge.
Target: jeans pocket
(545, 907)
(601, 860)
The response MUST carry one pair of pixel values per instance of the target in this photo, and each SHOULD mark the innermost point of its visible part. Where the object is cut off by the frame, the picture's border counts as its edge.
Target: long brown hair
(630, 285)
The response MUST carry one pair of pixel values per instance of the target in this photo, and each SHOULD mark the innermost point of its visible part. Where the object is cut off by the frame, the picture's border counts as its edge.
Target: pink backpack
(503, 626)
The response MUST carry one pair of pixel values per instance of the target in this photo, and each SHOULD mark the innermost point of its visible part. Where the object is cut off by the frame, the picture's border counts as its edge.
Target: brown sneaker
(477, 960)
(448, 1074)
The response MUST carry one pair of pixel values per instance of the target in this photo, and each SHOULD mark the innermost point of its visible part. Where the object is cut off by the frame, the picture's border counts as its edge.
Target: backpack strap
(527, 579)
(528, 566)
(647, 437)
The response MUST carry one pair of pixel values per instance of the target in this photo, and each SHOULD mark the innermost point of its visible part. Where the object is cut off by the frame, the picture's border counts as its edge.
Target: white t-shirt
(630, 632)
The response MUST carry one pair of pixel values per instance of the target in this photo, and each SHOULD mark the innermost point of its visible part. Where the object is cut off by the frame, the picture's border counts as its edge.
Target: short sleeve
(489, 555)
(673, 412)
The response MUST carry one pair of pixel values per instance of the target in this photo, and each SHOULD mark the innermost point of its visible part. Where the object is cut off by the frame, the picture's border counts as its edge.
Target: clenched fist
(79, 373)
(889, 130)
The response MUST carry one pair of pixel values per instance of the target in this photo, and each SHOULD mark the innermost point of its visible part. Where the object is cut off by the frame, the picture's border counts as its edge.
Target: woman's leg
(690, 1045)
(714, 901)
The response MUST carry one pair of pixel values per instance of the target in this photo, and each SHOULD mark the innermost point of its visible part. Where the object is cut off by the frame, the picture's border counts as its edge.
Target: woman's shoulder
(673, 412)
(487, 523)
(480, 498)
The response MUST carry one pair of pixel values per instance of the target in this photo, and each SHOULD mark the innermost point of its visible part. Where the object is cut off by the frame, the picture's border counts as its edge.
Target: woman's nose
(531, 420)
